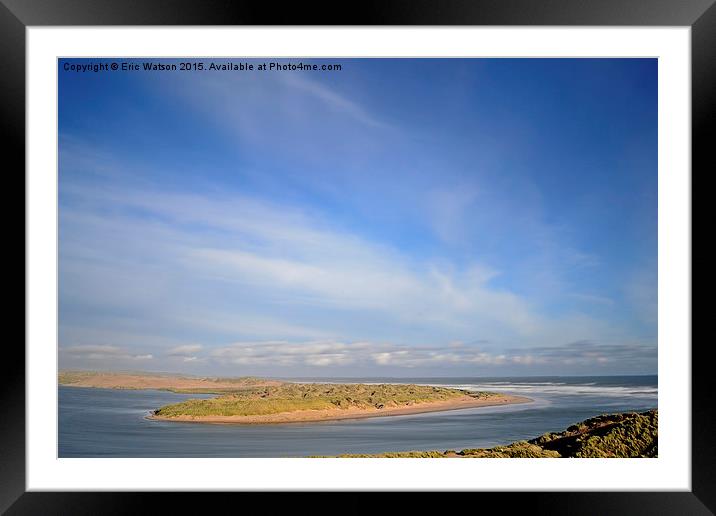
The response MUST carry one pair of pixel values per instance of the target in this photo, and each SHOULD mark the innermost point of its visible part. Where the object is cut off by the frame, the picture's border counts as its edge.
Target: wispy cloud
(284, 354)
(289, 354)
(345, 357)
(283, 253)
(334, 100)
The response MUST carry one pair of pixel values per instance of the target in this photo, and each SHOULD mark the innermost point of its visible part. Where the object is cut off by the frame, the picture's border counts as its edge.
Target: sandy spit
(306, 416)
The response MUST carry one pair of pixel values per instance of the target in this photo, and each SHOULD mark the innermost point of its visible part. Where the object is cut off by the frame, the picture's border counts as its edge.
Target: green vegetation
(203, 390)
(72, 377)
(292, 397)
(400, 455)
(616, 435)
(518, 450)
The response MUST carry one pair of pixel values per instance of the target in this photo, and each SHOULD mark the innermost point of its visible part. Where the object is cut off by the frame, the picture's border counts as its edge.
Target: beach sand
(307, 416)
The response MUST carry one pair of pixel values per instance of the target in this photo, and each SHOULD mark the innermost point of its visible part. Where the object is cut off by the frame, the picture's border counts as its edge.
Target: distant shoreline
(165, 382)
(260, 401)
(315, 416)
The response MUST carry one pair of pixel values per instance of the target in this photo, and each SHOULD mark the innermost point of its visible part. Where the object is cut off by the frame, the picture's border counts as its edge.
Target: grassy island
(251, 400)
(301, 402)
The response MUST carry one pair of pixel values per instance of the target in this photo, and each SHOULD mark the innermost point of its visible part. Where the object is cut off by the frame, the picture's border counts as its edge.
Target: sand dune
(304, 416)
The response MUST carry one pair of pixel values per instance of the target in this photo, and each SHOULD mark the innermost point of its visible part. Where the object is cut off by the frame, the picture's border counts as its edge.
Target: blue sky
(398, 217)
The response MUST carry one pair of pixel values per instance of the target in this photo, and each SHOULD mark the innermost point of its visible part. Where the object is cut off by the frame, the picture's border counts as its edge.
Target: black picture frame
(17, 15)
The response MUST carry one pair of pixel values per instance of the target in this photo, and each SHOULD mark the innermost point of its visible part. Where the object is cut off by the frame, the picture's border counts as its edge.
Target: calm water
(111, 423)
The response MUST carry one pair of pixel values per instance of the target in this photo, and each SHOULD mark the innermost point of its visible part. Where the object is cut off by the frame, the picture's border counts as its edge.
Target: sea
(113, 423)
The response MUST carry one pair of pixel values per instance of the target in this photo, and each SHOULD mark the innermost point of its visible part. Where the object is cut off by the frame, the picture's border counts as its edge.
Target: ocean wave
(563, 389)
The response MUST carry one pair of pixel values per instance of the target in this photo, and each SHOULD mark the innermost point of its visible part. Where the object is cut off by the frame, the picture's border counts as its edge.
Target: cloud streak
(302, 260)
(379, 356)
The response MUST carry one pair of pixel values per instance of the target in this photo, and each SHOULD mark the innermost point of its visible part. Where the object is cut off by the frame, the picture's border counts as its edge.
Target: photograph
(287, 253)
(357, 257)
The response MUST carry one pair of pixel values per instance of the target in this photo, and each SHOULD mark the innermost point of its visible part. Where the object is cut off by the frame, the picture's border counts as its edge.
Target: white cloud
(275, 252)
(320, 354)
(287, 354)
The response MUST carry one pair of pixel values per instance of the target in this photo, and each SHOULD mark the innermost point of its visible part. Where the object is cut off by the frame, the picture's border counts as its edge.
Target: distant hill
(161, 381)
(626, 435)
